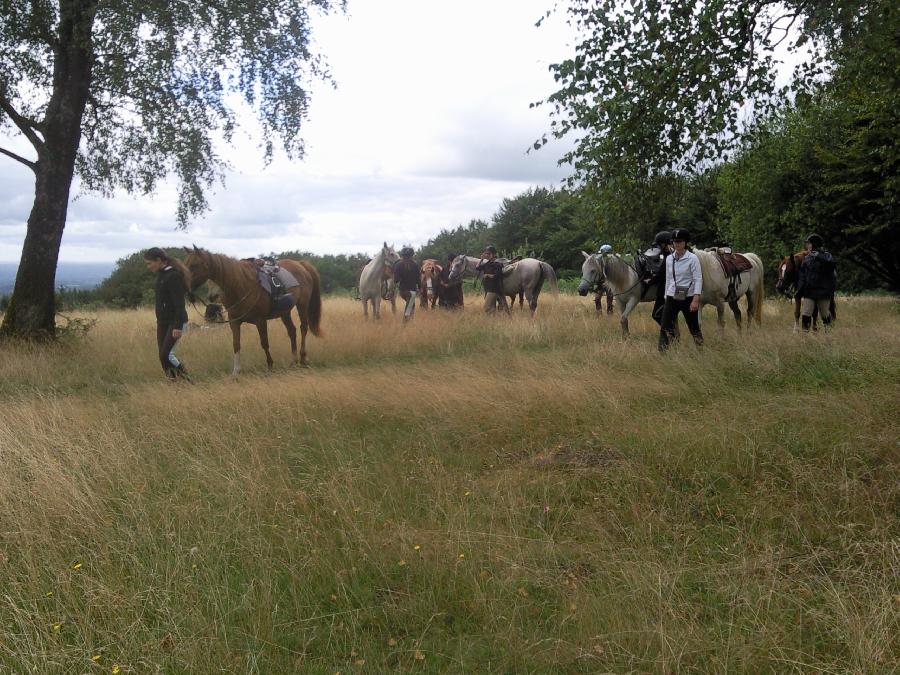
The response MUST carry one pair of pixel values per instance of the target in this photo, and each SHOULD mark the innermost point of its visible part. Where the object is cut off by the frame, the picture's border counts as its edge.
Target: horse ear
(586, 254)
(195, 248)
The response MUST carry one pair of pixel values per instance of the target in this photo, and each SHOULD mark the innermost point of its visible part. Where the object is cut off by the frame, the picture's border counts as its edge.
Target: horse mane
(231, 272)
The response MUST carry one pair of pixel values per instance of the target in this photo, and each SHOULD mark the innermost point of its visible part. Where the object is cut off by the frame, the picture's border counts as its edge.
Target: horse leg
(624, 311)
(292, 333)
(365, 302)
(737, 313)
(376, 311)
(797, 315)
(720, 316)
(303, 312)
(263, 328)
(236, 346)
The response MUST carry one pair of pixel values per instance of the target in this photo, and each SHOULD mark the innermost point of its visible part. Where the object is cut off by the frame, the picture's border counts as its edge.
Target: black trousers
(660, 303)
(165, 342)
(671, 308)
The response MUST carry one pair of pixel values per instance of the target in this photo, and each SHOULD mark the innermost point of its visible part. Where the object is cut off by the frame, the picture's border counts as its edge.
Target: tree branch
(31, 165)
(26, 126)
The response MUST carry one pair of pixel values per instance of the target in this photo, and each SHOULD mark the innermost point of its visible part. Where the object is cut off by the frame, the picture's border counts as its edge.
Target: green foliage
(163, 81)
(337, 272)
(470, 239)
(656, 86)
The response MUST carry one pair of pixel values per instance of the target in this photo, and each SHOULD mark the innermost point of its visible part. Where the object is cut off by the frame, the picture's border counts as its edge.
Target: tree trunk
(32, 311)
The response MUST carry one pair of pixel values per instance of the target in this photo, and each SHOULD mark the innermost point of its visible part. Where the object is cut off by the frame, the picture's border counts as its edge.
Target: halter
(601, 264)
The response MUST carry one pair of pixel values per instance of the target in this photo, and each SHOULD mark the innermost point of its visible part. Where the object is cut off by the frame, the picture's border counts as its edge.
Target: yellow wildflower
(76, 566)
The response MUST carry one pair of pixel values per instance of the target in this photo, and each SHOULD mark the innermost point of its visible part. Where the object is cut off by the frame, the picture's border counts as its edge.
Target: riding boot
(171, 375)
(182, 373)
(806, 321)
(663, 344)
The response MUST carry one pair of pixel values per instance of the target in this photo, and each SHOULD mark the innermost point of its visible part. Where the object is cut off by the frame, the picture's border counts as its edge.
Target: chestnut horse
(788, 270)
(247, 302)
(430, 283)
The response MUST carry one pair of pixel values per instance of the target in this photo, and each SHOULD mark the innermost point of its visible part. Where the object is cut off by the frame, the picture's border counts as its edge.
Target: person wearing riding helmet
(406, 276)
(603, 290)
(662, 247)
(816, 282)
(172, 283)
(492, 270)
(683, 286)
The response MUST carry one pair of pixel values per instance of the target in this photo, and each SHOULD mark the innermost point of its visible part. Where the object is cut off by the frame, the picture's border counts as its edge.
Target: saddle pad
(734, 263)
(286, 278)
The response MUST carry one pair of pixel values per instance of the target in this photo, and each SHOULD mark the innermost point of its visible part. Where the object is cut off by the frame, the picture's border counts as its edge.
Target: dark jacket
(406, 274)
(816, 278)
(170, 292)
(453, 291)
(493, 284)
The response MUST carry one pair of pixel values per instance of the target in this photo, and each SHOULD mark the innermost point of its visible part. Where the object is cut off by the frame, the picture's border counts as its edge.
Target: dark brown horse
(247, 302)
(788, 270)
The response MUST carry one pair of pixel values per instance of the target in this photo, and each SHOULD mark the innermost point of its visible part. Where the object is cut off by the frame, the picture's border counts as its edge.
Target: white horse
(625, 283)
(376, 272)
(525, 276)
(716, 287)
(621, 277)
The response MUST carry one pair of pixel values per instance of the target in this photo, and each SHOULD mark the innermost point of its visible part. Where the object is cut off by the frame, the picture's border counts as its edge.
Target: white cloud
(428, 128)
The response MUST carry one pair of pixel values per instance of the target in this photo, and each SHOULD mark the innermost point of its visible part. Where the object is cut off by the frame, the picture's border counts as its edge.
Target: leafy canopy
(659, 85)
(168, 78)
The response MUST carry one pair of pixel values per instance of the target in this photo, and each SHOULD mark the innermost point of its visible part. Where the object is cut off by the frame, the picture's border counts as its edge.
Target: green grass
(462, 495)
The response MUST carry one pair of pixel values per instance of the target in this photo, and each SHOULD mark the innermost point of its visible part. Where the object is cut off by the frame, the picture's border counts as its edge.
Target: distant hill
(70, 275)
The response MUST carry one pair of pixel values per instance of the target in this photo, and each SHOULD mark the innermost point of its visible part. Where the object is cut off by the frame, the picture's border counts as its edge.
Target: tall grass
(457, 495)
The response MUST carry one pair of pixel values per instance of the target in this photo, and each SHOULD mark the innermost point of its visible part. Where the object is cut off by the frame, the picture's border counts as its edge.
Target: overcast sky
(427, 129)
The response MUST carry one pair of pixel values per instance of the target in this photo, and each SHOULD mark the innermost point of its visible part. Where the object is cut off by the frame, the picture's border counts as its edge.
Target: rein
(605, 276)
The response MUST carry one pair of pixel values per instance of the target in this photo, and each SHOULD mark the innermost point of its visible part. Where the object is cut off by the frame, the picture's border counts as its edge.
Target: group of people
(675, 272)
(407, 277)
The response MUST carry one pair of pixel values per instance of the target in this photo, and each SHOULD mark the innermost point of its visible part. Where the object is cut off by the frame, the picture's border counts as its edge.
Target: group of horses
(523, 278)
(247, 302)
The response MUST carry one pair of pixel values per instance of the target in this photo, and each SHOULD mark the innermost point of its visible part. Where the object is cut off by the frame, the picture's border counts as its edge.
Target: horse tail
(759, 293)
(548, 272)
(315, 299)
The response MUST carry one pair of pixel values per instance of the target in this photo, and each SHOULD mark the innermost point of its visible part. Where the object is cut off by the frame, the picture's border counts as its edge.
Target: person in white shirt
(684, 284)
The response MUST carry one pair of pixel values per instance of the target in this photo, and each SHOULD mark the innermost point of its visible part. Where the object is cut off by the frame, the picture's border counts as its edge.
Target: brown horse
(788, 271)
(429, 283)
(247, 302)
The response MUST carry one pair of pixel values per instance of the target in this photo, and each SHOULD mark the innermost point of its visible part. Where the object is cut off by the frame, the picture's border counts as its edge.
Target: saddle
(733, 264)
(509, 264)
(276, 281)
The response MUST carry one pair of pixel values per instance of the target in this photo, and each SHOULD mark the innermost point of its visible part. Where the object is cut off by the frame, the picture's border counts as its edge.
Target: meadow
(462, 494)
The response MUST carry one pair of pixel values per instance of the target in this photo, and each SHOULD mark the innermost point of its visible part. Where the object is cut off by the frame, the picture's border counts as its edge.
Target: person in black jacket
(406, 276)
(816, 282)
(492, 269)
(172, 282)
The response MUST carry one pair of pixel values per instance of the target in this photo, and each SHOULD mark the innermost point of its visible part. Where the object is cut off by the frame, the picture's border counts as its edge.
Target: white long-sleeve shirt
(684, 271)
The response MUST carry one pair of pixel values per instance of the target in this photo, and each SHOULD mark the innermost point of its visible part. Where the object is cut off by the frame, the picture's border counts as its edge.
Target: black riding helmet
(663, 238)
(815, 240)
(681, 234)
(406, 252)
(490, 249)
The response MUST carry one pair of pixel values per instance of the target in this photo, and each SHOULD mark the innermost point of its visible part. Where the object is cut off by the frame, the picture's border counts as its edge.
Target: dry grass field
(461, 495)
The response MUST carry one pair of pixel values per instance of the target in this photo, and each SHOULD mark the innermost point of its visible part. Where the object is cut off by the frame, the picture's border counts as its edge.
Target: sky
(427, 129)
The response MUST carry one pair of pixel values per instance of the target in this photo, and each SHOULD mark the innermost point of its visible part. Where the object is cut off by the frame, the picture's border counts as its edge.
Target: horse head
(457, 267)
(787, 275)
(197, 262)
(591, 273)
(389, 256)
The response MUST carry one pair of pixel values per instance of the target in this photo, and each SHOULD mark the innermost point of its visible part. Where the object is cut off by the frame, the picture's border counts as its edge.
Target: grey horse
(525, 276)
(621, 277)
(376, 272)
